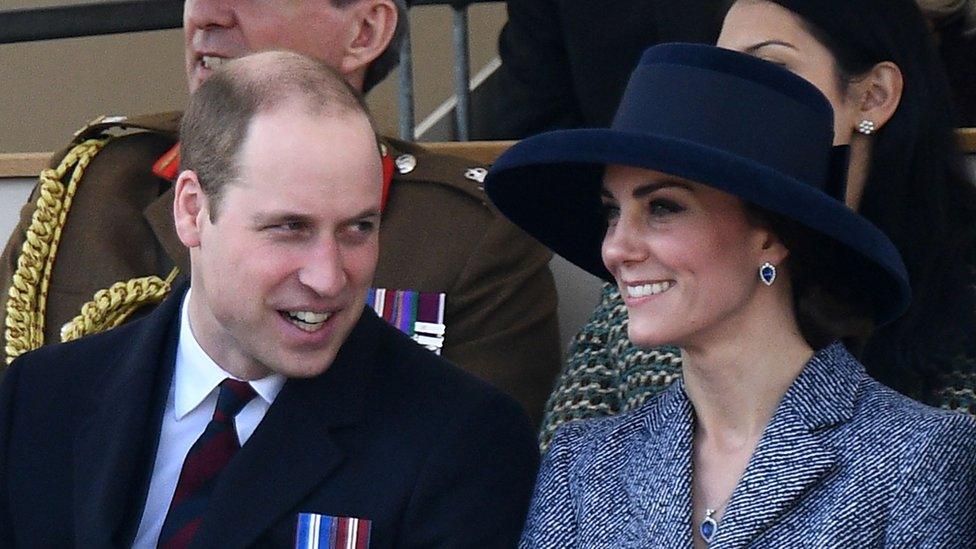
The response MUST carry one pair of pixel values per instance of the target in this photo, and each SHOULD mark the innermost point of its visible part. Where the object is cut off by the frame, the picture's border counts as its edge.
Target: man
(266, 398)
(454, 273)
(565, 63)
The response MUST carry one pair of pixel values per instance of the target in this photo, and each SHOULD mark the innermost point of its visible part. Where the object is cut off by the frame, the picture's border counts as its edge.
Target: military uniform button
(476, 174)
(405, 163)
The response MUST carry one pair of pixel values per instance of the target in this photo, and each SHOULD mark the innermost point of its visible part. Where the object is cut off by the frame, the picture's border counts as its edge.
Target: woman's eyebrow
(649, 188)
(755, 47)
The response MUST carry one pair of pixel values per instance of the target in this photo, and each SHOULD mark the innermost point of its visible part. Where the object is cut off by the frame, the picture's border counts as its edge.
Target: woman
(873, 60)
(723, 219)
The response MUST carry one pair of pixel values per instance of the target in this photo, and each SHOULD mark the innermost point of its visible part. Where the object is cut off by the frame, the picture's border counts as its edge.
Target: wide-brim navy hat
(718, 117)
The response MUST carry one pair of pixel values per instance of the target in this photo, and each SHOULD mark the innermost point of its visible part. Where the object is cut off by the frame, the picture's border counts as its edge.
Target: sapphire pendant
(708, 527)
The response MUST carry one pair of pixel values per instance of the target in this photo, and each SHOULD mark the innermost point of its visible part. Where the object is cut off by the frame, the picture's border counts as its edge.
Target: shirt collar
(197, 375)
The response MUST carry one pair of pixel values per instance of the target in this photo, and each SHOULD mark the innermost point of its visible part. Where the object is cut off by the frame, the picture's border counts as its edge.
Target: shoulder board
(412, 162)
(166, 123)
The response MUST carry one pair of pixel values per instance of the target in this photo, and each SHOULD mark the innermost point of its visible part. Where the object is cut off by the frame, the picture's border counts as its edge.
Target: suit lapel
(657, 475)
(119, 429)
(792, 457)
(292, 451)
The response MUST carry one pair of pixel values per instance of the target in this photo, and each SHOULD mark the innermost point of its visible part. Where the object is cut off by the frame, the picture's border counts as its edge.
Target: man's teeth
(649, 289)
(211, 62)
(307, 320)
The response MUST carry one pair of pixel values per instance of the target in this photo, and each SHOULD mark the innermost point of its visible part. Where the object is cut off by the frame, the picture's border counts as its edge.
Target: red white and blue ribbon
(325, 532)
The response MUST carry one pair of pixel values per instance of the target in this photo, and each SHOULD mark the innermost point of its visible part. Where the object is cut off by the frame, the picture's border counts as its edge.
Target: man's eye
(287, 227)
(364, 226)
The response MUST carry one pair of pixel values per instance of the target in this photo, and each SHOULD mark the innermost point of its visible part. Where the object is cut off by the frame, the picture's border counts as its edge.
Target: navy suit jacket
(390, 432)
(845, 462)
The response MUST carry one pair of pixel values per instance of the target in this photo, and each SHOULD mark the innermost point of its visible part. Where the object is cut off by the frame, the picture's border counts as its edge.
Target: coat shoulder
(165, 123)
(916, 437)
(586, 438)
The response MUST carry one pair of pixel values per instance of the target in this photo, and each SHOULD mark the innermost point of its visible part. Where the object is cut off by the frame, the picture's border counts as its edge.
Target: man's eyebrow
(368, 212)
(282, 216)
(756, 47)
(651, 187)
(285, 216)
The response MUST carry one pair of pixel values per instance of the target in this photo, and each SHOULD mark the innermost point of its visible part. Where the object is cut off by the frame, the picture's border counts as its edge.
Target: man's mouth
(306, 320)
(644, 290)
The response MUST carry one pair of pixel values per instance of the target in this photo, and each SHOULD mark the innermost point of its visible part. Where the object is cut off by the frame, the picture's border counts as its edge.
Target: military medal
(420, 315)
(316, 531)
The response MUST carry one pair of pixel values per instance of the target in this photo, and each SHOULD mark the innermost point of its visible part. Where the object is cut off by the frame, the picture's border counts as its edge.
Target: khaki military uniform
(439, 234)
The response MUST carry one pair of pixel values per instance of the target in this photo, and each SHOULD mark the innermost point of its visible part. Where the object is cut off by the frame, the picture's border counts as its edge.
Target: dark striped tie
(206, 459)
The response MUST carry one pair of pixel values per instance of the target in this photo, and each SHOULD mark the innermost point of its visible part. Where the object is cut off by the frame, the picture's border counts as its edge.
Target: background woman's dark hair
(917, 190)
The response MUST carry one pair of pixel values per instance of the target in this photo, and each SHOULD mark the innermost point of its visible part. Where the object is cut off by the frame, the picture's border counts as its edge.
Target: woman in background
(873, 59)
(723, 218)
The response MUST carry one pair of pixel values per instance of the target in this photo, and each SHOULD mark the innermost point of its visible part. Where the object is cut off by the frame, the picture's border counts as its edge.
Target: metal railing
(123, 16)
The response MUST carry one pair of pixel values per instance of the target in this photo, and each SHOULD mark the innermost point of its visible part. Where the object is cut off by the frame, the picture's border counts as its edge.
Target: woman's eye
(661, 207)
(776, 62)
(610, 213)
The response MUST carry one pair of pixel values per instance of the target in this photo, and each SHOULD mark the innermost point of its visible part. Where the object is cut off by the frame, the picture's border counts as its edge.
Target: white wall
(13, 195)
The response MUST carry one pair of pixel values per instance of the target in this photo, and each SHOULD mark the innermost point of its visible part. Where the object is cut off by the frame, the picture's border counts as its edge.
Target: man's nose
(208, 13)
(323, 270)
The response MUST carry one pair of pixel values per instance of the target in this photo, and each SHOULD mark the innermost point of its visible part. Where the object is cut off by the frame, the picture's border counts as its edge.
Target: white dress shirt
(189, 407)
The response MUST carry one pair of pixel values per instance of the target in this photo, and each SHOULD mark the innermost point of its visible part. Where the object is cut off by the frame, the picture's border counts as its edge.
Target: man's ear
(374, 23)
(190, 208)
(878, 94)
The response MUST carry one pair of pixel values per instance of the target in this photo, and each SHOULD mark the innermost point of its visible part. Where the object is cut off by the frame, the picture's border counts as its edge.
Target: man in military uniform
(96, 241)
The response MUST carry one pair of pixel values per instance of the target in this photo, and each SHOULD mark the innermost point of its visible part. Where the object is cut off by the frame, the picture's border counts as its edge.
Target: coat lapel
(120, 427)
(792, 457)
(657, 475)
(292, 451)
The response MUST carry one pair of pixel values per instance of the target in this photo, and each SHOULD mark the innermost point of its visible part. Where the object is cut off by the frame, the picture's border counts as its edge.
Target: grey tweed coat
(845, 462)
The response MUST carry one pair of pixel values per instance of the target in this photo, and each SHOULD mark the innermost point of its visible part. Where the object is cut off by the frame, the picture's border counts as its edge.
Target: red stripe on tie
(203, 464)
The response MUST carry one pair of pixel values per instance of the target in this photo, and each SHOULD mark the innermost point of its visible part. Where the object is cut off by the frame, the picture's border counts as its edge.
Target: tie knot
(233, 396)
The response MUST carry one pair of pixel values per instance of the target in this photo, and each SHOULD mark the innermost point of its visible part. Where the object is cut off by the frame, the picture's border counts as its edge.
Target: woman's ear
(373, 25)
(877, 95)
(190, 208)
(773, 250)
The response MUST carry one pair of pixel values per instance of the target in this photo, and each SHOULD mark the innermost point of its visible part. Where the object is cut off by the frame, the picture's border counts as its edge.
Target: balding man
(454, 274)
(264, 404)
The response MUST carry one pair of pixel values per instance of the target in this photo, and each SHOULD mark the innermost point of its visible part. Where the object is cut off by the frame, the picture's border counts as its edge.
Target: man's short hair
(219, 113)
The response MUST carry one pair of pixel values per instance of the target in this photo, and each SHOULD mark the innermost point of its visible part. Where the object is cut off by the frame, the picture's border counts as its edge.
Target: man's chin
(305, 365)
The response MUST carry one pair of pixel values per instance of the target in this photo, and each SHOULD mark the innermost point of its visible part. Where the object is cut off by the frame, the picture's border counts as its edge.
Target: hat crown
(735, 104)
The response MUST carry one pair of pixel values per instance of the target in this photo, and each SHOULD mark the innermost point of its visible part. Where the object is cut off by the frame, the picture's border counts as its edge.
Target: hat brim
(550, 185)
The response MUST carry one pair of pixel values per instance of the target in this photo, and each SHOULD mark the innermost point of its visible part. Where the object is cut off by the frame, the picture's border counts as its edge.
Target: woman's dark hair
(917, 190)
(830, 301)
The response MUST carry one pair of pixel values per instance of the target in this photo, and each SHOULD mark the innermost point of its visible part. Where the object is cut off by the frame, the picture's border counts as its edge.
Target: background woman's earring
(866, 127)
(767, 273)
